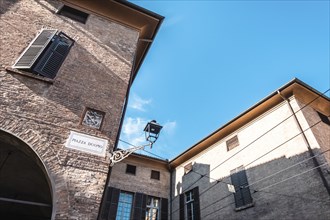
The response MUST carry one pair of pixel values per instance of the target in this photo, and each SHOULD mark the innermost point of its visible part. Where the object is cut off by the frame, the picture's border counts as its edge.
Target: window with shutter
(189, 205)
(242, 193)
(164, 209)
(124, 206)
(54, 56)
(45, 54)
(139, 208)
(34, 50)
(152, 210)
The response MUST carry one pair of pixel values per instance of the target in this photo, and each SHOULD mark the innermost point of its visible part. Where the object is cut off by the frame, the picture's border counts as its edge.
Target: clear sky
(212, 60)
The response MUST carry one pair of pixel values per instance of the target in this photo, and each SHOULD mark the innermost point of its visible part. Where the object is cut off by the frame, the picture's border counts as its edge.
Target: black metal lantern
(152, 131)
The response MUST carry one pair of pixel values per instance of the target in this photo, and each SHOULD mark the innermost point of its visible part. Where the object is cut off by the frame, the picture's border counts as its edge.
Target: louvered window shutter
(247, 199)
(54, 56)
(35, 49)
(242, 195)
(140, 204)
(196, 204)
(109, 209)
(182, 206)
(164, 209)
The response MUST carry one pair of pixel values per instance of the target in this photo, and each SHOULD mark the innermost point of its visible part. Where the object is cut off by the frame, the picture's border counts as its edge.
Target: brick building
(144, 182)
(66, 70)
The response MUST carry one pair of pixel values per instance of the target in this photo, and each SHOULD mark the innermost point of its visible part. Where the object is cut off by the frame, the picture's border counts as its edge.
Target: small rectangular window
(188, 168)
(131, 169)
(232, 143)
(155, 175)
(73, 13)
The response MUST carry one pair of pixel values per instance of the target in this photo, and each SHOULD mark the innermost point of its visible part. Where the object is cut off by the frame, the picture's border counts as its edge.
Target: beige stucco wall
(270, 143)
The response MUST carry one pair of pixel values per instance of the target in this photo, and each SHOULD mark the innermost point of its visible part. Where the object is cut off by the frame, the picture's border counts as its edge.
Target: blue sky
(212, 60)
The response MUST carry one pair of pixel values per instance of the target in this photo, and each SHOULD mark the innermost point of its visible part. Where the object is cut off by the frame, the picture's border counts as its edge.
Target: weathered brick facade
(41, 112)
(141, 185)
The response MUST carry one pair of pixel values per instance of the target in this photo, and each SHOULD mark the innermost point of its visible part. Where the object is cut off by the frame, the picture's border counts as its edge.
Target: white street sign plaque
(87, 143)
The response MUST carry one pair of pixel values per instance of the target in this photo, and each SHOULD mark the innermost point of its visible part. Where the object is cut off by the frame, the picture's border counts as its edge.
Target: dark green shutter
(109, 209)
(197, 213)
(139, 208)
(164, 209)
(182, 206)
(54, 56)
(242, 194)
(34, 50)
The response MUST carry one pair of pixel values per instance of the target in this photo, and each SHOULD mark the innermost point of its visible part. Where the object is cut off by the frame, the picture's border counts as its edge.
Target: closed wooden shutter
(54, 56)
(140, 204)
(197, 213)
(109, 209)
(242, 194)
(182, 206)
(34, 50)
(164, 209)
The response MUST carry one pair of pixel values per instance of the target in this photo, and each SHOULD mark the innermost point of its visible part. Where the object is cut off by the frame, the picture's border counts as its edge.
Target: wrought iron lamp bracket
(119, 155)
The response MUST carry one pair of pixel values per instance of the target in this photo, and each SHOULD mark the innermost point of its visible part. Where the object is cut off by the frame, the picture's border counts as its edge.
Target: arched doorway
(25, 189)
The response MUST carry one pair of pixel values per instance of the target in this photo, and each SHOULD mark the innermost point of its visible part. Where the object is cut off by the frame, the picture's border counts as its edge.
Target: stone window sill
(30, 75)
(244, 207)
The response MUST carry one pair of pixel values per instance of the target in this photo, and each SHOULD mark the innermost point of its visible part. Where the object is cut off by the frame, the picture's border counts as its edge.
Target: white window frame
(189, 197)
(151, 209)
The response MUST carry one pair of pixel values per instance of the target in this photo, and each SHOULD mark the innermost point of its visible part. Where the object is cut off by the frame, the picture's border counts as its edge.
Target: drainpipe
(171, 188)
(311, 153)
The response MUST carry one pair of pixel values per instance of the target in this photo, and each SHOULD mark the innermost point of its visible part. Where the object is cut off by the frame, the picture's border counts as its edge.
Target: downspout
(171, 188)
(311, 153)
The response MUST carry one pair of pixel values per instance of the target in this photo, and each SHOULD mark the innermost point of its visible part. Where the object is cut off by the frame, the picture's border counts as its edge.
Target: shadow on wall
(284, 188)
(6, 5)
(81, 77)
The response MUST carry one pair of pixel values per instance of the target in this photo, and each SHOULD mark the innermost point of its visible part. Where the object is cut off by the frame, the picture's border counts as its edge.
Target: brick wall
(43, 112)
(142, 181)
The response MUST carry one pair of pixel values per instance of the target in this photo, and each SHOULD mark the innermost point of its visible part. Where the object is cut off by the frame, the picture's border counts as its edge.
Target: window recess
(190, 205)
(130, 169)
(155, 175)
(232, 143)
(73, 13)
(188, 168)
(45, 54)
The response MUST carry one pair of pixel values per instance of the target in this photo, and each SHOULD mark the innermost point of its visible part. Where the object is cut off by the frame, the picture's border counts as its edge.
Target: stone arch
(34, 167)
